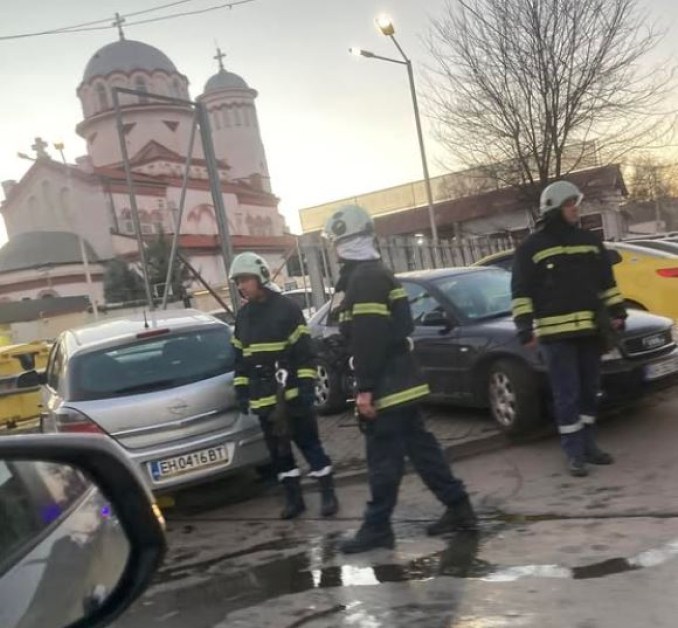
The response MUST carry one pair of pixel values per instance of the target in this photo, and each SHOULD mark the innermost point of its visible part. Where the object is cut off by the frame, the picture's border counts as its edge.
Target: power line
(92, 26)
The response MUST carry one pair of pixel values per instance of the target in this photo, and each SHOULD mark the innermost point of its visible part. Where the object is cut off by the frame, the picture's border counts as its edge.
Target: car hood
(640, 322)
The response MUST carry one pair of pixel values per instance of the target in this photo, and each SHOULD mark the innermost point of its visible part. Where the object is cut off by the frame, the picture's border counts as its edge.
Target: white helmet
(556, 193)
(250, 264)
(347, 222)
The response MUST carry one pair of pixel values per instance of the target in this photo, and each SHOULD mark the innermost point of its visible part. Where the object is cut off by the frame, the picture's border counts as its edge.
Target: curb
(453, 453)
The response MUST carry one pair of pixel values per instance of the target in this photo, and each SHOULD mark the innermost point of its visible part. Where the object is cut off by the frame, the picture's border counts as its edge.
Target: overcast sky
(333, 125)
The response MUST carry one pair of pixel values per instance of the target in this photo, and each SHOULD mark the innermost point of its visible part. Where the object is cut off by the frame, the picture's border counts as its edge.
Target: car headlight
(614, 354)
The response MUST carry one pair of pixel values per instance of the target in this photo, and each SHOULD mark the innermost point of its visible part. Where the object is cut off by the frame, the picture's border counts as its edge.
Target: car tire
(513, 396)
(329, 392)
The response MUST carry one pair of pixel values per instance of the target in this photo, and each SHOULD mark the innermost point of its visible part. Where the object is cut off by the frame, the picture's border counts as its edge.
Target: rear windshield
(154, 364)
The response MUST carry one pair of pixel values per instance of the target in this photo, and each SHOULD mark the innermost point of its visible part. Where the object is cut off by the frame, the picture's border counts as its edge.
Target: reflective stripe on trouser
(304, 434)
(574, 374)
(393, 435)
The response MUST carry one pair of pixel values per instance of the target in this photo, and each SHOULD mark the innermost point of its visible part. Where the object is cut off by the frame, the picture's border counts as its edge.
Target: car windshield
(154, 364)
(478, 295)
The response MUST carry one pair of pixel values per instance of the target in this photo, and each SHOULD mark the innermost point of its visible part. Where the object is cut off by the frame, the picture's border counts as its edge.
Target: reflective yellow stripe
(345, 316)
(609, 293)
(241, 381)
(402, 397)
(564, 328)
(236, 343)
(397, 293)
(263, 347)
(564, 250)
(521, 306)
(263, 402)
(291, 393)
(298, 333)
(370, 308)
(611, 296)
(306, 373)
(573, 317)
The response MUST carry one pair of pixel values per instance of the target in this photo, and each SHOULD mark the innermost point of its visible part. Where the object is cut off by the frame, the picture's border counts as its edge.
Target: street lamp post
(385, 25)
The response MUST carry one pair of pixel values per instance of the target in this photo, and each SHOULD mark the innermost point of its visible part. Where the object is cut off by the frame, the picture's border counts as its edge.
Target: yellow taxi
(647, 278)
(20, 405)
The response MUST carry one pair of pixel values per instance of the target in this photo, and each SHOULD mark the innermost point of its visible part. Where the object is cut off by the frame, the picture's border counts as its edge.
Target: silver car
(163, 388)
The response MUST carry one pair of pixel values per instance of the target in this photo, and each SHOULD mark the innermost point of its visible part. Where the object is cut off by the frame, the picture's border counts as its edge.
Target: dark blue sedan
(467, 346)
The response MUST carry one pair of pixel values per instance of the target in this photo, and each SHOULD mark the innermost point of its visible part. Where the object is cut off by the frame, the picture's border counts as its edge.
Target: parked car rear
(162, 388)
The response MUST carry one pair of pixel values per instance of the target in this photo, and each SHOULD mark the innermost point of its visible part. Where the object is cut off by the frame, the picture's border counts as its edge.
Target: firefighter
(275, 379)
(565, 301)
(376, 322)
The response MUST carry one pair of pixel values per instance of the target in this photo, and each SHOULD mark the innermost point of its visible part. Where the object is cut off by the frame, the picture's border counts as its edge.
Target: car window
(33, 497)
(421, 302)
(55, 367)
(477, 295)
(153, 364)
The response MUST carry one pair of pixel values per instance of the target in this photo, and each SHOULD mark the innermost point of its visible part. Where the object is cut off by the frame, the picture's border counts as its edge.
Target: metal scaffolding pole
(177, 226)
(217, 197)
(132, 198)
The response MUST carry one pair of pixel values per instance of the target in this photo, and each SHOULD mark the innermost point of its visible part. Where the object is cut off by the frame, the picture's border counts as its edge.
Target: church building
(65, 221)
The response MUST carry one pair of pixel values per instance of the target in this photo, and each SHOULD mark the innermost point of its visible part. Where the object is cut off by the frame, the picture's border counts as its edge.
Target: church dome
(225, 80)
(126, 56)
(33, 249)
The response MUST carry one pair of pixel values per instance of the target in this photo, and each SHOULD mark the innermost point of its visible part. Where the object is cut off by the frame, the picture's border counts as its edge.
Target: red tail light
(668, 272)
(70, 421)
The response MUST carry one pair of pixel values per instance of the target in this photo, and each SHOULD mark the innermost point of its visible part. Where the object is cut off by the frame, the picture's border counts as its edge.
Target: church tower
(235, 127)
(133, 65)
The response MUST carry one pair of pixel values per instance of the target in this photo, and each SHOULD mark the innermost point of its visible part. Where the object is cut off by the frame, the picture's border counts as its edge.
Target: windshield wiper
(148, 386)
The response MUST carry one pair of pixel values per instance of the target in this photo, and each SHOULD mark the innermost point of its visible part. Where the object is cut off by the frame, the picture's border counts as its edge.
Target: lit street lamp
(385, 25)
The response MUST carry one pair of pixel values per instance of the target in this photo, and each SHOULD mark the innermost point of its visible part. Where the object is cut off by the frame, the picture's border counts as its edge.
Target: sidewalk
(460, 432)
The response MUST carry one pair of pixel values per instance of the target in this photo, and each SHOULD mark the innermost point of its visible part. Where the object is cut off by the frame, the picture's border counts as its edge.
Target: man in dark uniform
(376, 321)
(565, 297)
(275, 379)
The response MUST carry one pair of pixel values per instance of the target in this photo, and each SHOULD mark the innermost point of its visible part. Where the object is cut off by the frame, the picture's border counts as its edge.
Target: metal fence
(401, 254)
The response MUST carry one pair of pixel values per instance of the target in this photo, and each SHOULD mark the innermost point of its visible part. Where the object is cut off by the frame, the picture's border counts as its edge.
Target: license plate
(187, 463)
(661, 369)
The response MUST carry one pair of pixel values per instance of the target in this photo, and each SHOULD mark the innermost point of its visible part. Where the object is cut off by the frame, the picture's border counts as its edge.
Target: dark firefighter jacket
(562, 281)
(269, 333)
(375, 320)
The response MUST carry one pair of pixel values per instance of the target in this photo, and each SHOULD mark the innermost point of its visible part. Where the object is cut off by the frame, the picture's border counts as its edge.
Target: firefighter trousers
(395, 434)
(574, 375)
(304, 434)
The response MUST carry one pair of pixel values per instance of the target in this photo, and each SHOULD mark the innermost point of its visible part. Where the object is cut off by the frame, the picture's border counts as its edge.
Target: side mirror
(614, 256)
(30, 379)
(436, 319)
(81, 534)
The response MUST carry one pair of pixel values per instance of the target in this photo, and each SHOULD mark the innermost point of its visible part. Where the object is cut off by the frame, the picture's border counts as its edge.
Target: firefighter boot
(458, 516)
(294, 500)
(369, 538)
(329, 505)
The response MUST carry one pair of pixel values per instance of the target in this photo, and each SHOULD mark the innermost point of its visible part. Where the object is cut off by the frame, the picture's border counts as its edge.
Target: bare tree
(530, 90)
(651, 179)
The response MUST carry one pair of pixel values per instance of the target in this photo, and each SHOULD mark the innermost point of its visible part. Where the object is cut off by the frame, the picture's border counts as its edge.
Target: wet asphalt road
(553, 551)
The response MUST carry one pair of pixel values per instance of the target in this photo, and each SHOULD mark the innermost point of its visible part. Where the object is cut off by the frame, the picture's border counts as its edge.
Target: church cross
(220, 56)
(119, 21)
(39, 147)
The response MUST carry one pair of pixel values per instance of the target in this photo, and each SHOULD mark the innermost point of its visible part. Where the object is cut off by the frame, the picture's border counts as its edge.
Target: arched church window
(47, 195)
(64, 201)
(140, 86)
(268, 226)
(253, 113)
(158, 225)
(227, 117)
(102, 96)
(176, 88)
(237, 116)
(216, 119)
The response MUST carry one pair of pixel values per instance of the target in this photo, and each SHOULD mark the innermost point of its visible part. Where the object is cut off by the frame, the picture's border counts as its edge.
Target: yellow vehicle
(647, 278)
(20, 405)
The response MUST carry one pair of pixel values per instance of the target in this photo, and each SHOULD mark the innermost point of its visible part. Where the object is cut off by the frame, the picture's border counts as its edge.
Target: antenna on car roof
(146, 325)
